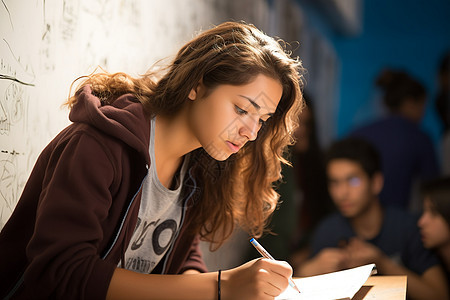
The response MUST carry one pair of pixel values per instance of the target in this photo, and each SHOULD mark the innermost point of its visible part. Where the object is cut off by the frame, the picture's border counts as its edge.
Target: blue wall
(411, 35)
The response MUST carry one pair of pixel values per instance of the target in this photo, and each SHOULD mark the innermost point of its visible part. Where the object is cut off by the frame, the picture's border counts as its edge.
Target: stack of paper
(337, 285)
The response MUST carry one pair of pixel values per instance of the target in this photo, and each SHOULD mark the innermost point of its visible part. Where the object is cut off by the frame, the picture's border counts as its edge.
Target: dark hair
(438, 191)
(399, 86)
(357, 150)
(309, 168)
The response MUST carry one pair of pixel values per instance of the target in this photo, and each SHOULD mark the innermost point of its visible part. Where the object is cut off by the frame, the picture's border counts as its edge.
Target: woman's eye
(240, 110)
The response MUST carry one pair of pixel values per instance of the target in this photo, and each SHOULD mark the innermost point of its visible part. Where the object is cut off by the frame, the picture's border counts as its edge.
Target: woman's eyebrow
(255, 105)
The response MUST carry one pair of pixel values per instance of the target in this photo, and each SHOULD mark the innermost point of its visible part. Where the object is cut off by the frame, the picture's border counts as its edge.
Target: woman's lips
(233, 147)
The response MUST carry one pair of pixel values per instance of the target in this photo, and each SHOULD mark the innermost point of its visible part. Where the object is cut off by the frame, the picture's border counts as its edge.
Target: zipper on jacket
(15, 288)
(119, 230)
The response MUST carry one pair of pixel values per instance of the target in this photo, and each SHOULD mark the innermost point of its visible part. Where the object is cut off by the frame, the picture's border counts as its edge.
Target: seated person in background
(363, 231)
(407, 153)
(435, 220)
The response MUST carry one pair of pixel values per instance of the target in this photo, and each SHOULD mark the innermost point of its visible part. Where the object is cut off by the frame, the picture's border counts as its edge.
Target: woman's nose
(250, 128)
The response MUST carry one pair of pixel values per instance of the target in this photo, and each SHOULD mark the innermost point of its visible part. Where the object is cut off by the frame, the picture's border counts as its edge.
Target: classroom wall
(410, 35)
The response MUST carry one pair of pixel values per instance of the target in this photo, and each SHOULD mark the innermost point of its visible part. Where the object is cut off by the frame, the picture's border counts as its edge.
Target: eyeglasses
(352, 181)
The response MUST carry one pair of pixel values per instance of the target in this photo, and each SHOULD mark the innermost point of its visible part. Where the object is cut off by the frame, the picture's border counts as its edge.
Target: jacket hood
(124, 118)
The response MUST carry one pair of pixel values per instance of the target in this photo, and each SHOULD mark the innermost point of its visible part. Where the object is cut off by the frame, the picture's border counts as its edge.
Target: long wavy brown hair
(239, 190)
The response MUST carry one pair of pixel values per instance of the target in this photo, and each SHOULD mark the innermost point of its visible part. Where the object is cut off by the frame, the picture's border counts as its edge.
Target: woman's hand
(257, 279)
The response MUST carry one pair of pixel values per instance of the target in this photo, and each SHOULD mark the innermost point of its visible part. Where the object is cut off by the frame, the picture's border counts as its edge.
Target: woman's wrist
(219, 273)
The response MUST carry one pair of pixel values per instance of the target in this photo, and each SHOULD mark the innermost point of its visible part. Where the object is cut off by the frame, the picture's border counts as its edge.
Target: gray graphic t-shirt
(158, 220)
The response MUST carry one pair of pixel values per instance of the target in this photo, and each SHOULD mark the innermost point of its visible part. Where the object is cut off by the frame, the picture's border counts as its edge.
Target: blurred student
(435, 220)
(407, 153)
(363, 231)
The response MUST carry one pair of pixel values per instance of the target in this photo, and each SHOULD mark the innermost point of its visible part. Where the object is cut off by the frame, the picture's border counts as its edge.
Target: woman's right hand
(257, 279)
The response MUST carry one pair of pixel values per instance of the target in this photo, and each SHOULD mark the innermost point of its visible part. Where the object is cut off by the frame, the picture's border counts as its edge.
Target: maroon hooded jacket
(79, 208)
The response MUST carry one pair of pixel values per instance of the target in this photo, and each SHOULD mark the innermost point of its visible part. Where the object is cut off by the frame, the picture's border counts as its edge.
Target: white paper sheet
(337, 285)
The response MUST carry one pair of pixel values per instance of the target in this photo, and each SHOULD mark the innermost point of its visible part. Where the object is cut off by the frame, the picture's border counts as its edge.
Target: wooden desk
(383, 288)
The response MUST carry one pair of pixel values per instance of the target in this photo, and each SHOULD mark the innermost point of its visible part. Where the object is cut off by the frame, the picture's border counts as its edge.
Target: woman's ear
(196, 91)
(193, 94)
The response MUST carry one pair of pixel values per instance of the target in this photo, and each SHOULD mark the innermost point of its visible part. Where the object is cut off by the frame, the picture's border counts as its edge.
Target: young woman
(117, 202)
(435, 220)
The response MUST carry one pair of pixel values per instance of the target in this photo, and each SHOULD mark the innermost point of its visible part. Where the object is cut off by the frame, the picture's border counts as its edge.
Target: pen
(266, 254)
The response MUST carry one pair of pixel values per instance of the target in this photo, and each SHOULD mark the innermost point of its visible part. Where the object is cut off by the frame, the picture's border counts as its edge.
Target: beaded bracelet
(218, 284)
